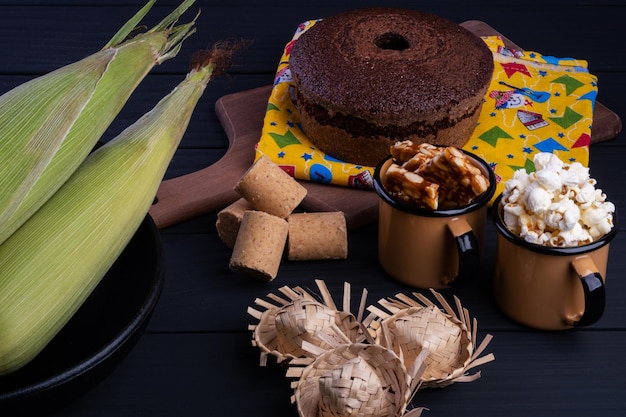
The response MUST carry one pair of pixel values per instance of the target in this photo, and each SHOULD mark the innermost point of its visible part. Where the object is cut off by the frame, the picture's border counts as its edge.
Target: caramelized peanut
(433, 177)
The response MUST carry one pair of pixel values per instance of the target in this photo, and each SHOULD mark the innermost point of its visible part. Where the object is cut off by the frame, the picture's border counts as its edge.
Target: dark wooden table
(195, 358)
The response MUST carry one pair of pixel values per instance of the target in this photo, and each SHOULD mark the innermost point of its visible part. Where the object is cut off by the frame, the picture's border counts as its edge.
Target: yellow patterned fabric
(535, 103)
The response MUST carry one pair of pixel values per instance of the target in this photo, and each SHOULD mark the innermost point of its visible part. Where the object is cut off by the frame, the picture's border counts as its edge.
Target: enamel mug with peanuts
(427, 248)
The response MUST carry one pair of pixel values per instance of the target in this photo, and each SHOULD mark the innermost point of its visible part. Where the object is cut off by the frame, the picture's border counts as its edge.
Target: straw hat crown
(357, 380)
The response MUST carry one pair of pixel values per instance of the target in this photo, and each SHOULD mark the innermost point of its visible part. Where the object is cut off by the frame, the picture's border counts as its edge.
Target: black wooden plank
(321, 4)
(37, 34)
(204, 130)
(201, 294)
(217, 374)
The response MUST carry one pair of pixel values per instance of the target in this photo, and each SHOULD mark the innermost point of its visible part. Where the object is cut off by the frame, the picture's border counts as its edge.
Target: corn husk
(51, 264)
(50, 124)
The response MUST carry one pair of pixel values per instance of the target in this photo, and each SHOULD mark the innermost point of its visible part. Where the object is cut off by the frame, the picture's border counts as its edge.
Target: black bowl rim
(116, 346)
(479, 202)
(550, 250)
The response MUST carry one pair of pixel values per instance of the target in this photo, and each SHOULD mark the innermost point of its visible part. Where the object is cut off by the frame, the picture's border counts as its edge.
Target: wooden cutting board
(241, 115)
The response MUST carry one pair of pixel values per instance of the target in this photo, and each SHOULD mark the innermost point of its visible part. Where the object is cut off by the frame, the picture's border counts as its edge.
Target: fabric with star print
(535, 103)
(284, 142)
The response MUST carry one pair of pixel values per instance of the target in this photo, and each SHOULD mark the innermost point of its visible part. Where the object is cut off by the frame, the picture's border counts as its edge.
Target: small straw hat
(412, 326)
(300, 318)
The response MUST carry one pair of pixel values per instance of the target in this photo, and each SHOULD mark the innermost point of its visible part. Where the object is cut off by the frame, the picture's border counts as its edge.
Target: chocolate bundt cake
(367, 78)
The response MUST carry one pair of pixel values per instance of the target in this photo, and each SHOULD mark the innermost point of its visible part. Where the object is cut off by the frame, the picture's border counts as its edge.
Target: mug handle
(593, 288)
(467, 248)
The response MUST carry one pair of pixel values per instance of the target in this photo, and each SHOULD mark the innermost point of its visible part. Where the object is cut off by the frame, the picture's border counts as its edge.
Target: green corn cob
(50, 124)
(51, 264)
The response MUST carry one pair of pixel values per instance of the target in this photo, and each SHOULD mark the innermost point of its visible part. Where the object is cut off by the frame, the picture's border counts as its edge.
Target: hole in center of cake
(392, 41)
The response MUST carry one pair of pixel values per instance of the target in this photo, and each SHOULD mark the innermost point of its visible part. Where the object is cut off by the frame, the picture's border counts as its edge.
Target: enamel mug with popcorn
(554, 228)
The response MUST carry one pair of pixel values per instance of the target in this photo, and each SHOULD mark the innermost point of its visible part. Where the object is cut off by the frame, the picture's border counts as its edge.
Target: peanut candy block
(411, 188)
(434, 177)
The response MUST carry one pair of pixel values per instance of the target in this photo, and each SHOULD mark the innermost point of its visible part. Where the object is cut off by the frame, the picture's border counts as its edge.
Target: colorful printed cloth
(535, 103)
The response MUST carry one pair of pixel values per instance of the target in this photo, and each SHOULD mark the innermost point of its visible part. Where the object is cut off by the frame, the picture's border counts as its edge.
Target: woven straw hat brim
(417, 328)
(266, 338)
(412, 324)
(283, 329)
(281, 332)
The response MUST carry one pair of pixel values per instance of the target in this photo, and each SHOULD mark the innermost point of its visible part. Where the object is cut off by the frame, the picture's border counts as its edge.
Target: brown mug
(549, 288)
(431, 248)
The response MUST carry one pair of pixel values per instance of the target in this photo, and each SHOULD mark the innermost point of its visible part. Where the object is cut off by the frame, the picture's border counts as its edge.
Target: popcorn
(557, 205)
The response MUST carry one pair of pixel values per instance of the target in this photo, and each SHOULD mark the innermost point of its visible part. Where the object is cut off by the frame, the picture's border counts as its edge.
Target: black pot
(99, 335)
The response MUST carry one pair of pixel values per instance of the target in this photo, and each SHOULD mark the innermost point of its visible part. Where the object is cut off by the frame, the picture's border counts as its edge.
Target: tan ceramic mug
(549, 288)
(427, 248)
